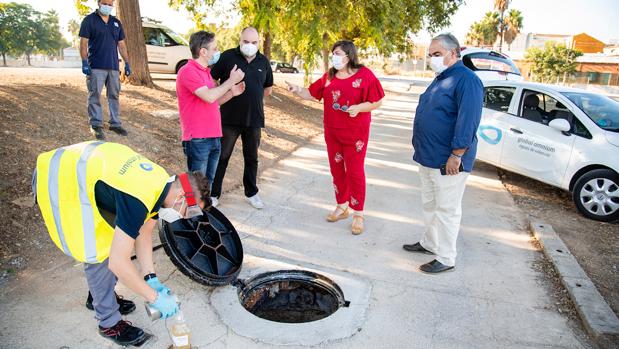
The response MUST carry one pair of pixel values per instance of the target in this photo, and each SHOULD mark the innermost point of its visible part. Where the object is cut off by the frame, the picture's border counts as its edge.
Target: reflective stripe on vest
(88, 224)
(52, 186)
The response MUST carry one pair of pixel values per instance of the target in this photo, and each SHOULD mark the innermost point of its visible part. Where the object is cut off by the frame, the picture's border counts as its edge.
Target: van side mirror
(560, 125)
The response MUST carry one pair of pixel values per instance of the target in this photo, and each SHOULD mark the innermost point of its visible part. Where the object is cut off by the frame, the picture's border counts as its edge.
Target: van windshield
(176, 37)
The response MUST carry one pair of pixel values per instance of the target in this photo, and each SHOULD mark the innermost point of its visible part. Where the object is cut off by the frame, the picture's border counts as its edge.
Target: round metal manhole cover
(291, 296)
(207, 248)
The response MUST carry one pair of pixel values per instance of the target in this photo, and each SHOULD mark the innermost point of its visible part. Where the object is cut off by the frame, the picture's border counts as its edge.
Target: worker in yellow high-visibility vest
(101, 200)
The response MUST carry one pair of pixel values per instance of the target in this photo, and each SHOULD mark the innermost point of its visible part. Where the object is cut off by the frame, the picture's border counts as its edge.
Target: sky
(594, 17)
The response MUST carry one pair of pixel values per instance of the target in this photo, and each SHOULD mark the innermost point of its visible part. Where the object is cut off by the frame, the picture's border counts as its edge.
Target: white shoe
(214, 201)
(256, 202)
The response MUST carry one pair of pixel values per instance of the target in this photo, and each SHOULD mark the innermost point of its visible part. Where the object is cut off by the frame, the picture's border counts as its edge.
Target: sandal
(334, 217)
(357, 224)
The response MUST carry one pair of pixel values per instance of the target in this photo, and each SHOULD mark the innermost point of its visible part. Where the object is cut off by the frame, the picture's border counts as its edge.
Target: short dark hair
(351, 52)
(199, 40)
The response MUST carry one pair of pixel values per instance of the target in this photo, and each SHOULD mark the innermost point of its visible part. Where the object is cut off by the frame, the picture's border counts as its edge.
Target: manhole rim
(247, 285)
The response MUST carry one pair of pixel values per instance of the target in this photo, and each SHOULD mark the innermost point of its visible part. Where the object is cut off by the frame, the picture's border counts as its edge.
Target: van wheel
(179, 66)
(596, 195)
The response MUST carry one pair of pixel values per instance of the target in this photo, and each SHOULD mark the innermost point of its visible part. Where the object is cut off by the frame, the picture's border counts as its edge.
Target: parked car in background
(565, 137)
(490, 65)
(280, 67)
(166, 50)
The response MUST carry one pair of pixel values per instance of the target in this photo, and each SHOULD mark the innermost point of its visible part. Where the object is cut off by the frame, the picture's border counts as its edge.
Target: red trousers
(346, 149)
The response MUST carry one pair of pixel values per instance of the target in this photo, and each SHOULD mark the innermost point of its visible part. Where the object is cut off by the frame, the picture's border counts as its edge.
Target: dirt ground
(594, 244)
(42, 109)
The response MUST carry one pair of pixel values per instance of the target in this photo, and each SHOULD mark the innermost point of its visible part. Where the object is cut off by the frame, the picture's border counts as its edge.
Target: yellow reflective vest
(66, 179)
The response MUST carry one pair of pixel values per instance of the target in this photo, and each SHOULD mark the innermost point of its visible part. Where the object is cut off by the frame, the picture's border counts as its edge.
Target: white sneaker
(256, 202)
(214, 201)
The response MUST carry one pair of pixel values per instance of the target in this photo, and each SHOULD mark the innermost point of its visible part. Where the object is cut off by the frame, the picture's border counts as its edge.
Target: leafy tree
(48, 37)
(82, 8)
(74, 29)
(501, 6)
(309, 27)
(552, 62)
(386, 26)
(513, 25)
(15, 21)
(484, 32)
(26, 31)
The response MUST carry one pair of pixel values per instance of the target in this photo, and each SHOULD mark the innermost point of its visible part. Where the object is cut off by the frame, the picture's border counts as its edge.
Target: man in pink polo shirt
(199, 98)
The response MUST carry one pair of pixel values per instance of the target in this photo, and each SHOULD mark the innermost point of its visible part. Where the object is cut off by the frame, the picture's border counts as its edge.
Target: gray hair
(448, 42)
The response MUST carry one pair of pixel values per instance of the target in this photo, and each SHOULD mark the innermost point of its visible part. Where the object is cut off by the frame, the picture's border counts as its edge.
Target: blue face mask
(214, 59)
(106, 10)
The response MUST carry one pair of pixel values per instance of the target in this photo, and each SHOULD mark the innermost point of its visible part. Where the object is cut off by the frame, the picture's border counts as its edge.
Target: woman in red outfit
(349, 92)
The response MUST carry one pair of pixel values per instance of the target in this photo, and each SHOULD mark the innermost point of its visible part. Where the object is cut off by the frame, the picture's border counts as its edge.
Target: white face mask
(249, 50)
(169, 214)
(338, 62)
(106, 10)
(436, 64)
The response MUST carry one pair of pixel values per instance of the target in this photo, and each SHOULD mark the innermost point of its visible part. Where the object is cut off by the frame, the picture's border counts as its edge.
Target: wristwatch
(456, 156)
(149, 276)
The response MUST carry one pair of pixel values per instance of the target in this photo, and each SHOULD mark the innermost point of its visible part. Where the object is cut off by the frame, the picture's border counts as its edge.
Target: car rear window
(498, 98)
(490, 61)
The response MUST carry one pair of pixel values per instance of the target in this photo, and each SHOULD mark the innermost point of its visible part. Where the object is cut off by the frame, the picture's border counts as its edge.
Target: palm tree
(513, 25)
(501, 6)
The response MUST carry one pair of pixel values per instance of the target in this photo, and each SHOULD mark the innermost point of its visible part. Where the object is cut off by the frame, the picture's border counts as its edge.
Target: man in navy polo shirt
(445, 145)
(101, 37)
(243, 115)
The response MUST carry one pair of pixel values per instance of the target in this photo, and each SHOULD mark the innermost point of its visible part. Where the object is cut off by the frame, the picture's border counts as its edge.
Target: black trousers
(250, 137)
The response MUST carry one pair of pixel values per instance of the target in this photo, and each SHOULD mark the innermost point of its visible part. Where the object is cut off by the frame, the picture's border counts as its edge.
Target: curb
(600, 321)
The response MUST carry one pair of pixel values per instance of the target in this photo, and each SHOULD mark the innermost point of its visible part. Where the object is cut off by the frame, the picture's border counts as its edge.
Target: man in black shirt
(243, 115)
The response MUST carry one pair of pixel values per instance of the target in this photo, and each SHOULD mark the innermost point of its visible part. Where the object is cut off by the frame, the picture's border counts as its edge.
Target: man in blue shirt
(445, 145)
(101, 36)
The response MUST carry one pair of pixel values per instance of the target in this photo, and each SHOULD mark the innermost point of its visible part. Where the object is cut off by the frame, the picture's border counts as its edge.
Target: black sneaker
(98, 132)
(123, 333)
(124, 306)
(119, 130)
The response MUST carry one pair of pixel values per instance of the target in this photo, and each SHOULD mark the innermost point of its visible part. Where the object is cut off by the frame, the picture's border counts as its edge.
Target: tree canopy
(308, 28)
(26, 31)
(484, 32)
(553, 62)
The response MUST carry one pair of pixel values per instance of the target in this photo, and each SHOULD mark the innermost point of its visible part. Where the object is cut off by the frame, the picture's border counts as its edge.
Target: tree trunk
(28, 59)
(266, 44)
(325, 52)
(4, 59)
(501, 26)
(129, 14)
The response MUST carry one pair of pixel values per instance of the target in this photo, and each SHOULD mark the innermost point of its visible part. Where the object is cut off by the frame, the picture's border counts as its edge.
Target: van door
(156, 42)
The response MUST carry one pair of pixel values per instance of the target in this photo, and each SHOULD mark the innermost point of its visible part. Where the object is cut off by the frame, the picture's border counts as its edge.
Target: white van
(167, 51)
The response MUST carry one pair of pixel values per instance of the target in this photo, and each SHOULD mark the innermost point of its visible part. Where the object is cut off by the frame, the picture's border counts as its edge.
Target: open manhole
(208, 250)
(291, 296)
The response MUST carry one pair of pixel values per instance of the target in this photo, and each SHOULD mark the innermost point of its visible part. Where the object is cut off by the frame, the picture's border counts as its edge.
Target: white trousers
(441, 197)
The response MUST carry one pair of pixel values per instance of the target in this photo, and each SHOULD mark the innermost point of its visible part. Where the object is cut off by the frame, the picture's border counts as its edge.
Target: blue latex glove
(86, 67)
(127, 69)
(166, 304)
(156, 285)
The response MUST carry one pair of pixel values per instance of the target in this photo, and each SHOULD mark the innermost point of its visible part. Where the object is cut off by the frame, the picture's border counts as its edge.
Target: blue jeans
(203, 155)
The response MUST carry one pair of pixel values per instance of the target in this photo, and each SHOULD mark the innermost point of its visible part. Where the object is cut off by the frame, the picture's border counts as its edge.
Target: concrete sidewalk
(494, 298)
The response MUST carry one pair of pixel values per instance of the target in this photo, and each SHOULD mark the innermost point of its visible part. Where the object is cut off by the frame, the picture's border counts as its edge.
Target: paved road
(494, 299)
